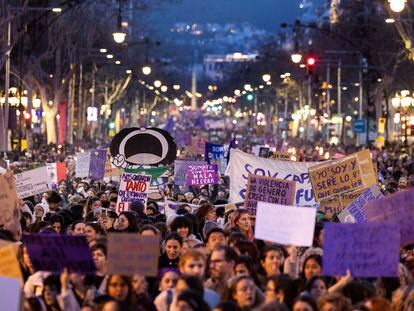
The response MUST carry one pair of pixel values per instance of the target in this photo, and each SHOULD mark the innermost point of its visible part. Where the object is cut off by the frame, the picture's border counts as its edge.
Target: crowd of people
(209, 257)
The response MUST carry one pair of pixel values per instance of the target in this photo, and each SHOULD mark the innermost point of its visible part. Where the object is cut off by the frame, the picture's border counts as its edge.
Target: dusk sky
(265, 14)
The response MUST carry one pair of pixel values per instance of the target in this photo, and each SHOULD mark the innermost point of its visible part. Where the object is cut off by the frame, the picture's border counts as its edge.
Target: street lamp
(247, 87)
(164, 88)
(397, 5)
(157, 83)
(296, 58)
(119, 35)
(146, 70)
(266, 77)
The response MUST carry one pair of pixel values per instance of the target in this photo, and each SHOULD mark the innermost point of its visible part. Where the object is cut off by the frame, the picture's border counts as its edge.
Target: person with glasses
(222, 262)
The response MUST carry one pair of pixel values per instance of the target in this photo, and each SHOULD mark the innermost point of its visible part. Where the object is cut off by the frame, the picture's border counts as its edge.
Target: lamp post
(402, 102)
(397, 5)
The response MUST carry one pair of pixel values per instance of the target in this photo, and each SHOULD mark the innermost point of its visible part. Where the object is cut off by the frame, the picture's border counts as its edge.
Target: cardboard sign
(396, 208)
(356, 209)
(97, 164)
(83, 161)
(133, 187)
(287, 225)
(336, 177)
(367, 250)
(53, 252)
(9, 265)
(335, 205)
(270, 190)
(200, 175)
(32, 182)
(243, 164)
(10, 289)
(130, 254)
(369, 175)
(281, 156)
(180, 170)
(8, 198)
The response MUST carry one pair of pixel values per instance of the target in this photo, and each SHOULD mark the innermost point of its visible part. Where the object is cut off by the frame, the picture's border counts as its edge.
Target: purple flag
(367, 250)
(97, 164)
(202, 175)
(396, 208)
(53, 252)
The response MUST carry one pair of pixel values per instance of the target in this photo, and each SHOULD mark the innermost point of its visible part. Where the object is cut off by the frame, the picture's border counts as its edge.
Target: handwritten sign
(83, 160)
(270, 190)
(335, 205)
(281, 156)
(8, 199)
(133, 187)
(9, 265)
(130, 254)
(10, 294)
(32, 182)
(336, 177)
(199, 175)
(180, 170)
(97, 164)
(356, 210)
(53, 252)
(288, 225)
(396, 208)
(367, 250)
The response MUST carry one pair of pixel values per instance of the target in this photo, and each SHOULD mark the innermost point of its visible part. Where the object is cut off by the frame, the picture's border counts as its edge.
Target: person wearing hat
(40, 210)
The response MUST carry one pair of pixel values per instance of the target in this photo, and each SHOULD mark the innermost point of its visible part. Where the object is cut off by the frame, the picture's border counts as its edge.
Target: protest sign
(336, 177)
(242, 164)
(130, 254)
(215, 152)
(287, 225)
(336, 204)
(199, 175)
(396, 208)
(356, 209)
(362, 249)
(53, 252)
(264, 152)
(8, 198)
(369, 174)
(97, 164)
(9, 265)
(10, 290)
(268, 189)
(280, 155)
(57, 171)
(133, 187)
(32, 182)
(83, 160)
(180, 170)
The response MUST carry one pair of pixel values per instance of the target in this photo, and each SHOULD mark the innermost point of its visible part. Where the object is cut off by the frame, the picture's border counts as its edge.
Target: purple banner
(269, 190)
(202, 175)
(53, 252)
(97, 164)
(396, 208)
(367, 250)
(180, 170)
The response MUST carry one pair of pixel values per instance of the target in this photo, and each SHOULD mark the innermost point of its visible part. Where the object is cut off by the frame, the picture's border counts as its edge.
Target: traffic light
(310, 65)
(28, 120)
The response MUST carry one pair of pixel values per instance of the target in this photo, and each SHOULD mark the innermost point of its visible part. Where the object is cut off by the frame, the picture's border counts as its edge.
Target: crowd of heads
(209, 258)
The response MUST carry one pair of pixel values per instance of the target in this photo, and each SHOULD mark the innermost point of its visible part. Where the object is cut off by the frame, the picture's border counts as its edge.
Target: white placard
(32, 182)
(242, 164)
(287, 225)
(10, 294)
(83, 160)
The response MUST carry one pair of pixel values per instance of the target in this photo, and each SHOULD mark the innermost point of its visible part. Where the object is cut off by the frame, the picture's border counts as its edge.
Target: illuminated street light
(57, 10)
(109, 56)
(118, 62)
(397, 5)
(247, 87)
(390, 20)
(128, 71)
(119, 36)
(164, 88)
(296, 58)
(103, 50)
(266, 77)
(146, 70)
(176, 87)
(157, 83)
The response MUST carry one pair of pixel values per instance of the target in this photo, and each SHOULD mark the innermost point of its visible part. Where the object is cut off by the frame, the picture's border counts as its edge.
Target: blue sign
(360, 126)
